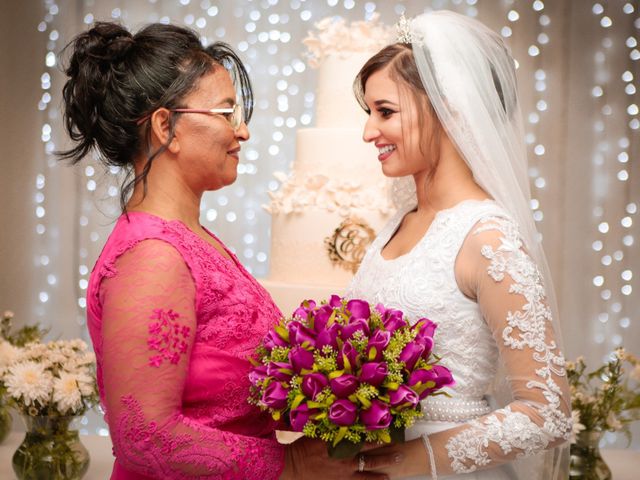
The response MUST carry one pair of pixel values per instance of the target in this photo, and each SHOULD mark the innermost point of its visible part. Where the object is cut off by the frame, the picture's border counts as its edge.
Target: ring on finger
(361, 463)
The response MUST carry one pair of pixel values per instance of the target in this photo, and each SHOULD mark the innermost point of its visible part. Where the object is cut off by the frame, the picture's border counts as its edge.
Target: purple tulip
(379, 340)
(313, 384)
(355, 326)
(403, 398)
(275, 396)
(328, 336)
(343, 413)
(320, 317)
(300, 313)
(299, 417)
(351, 354)
(393, 320)
(281, 371)
(258, 374)
(335, 301)
(411, 354)
(425, 327)
(272, 339)
(301, 359)
(377, 416)
(299, 334)
(359, 309)
(380, 309)
(344, 385)
(439, 376)
(374, 373)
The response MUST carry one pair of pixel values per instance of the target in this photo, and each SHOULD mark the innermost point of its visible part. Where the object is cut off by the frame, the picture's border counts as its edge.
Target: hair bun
(109, 41)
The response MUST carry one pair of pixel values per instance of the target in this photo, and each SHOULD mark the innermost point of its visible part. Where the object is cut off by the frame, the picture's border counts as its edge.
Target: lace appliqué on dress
(526, 327)
(167, 337)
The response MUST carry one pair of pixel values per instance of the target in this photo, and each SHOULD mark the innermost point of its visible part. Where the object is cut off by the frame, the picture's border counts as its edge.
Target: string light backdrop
(577, 73)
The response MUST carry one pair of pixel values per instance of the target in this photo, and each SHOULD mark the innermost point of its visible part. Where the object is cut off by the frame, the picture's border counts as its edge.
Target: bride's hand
(308, 459)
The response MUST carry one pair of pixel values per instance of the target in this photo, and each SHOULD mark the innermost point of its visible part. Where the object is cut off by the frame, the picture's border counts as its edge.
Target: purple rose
(377, 416)
(328, 336)
(313, 384)
(299, 334)
(335, 301)
(258, 374)
(280, 371)
(343, 413)
(411, 354)
(299, 416)
(393, 320)
(321, 317)
(348, 354)
(272, 339)
(425, 382)
(354, 326)
(376, 345)
(403, 398)
(344, 385)
(275, 396)
(374, 373)
(301, 359)
(359, 309)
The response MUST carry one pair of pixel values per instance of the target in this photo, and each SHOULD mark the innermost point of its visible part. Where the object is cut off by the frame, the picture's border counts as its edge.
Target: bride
(464, 251)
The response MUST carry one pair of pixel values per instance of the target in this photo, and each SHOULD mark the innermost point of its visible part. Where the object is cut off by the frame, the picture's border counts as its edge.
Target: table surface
(624, 464)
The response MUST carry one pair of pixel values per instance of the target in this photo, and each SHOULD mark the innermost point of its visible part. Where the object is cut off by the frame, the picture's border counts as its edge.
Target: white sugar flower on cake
(334, 35)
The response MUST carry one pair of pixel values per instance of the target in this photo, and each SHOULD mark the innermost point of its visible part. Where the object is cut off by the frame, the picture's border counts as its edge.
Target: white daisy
(29, 381)
(66, 393)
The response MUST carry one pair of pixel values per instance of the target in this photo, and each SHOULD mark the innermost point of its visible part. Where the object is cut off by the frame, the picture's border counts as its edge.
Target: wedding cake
(336, 199)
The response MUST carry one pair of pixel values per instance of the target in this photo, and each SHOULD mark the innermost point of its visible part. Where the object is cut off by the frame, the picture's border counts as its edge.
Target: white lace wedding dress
(507, 321)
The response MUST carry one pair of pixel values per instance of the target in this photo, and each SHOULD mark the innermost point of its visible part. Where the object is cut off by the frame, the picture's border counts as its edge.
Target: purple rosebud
(272, 339)
(425, 327)
(403, 398)
(299, 417)
(353, 327)
(335, 301)
(258, 374)
(358, 309)
(374, 373)
(410, 354)
(275, 396)
(344, 385)
(351, 354)
(313, 384)
(281, 371)
(377, 416)
(343, 413)
(321, 317)
(439, 375)
(300, 359)
(378, 341)
(299, 334)
(328, 336)
(393, 320)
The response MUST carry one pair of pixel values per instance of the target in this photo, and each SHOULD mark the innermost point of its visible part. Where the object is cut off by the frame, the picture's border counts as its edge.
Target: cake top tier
(334, 36)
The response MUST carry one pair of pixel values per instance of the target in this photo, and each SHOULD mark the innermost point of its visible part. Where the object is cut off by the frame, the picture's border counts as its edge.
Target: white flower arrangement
(55, 378)
(335, 36)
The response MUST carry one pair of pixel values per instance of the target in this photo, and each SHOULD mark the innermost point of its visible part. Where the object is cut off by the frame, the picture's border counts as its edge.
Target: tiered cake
(328, 210)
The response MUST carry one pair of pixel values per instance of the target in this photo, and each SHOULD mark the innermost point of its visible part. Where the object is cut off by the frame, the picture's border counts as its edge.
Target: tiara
(404, 31)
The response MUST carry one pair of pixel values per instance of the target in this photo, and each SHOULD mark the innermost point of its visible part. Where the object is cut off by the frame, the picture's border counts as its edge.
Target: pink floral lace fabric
(173, 324)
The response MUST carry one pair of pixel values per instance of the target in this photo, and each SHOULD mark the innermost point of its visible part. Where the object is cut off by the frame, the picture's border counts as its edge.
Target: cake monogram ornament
(349, 242)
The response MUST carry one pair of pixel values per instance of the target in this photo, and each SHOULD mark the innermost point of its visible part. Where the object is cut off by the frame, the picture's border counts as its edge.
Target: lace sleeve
(148, 329)
(494, 267)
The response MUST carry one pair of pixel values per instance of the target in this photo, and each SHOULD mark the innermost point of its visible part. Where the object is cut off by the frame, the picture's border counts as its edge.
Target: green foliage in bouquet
(22, 336)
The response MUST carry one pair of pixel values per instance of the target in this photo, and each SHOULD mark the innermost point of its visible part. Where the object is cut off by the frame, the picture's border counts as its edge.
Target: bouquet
(49, 379)
(347, 373)
(605, 399)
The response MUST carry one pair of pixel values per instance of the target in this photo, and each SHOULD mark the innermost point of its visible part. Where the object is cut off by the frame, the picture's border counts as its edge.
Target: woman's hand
(307, 459)
(411, 459)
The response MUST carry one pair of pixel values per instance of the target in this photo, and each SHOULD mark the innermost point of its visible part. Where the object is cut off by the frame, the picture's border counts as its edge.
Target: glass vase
(586, 462)
(51, 449)
(6, 421)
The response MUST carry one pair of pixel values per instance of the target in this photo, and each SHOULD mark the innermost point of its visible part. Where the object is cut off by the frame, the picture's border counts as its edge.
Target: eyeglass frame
(235, 121)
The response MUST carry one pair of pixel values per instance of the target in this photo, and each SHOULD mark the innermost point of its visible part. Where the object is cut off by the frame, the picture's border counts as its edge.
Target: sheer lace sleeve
(494, 268)
(148, 330)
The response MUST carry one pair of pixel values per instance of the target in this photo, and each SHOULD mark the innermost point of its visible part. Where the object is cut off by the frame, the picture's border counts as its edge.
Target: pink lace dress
(173, 323)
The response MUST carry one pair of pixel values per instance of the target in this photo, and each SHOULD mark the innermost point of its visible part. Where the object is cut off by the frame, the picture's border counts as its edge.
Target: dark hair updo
(116, 78)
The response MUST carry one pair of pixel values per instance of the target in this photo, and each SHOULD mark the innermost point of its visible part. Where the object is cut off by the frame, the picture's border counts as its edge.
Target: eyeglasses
(234, 115)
